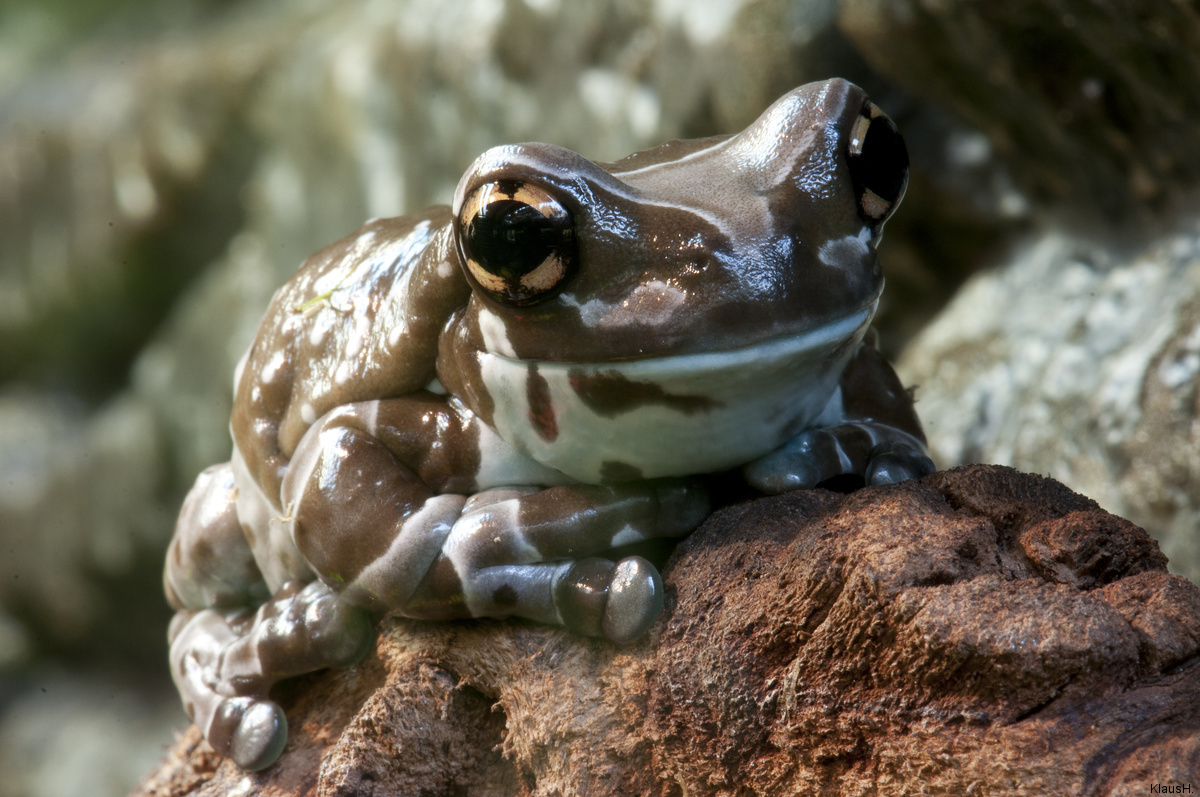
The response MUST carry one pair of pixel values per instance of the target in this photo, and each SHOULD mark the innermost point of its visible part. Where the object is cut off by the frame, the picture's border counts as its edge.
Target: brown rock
(981, 631)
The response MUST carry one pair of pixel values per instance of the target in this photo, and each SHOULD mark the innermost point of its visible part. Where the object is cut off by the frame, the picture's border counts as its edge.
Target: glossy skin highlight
(436, 422)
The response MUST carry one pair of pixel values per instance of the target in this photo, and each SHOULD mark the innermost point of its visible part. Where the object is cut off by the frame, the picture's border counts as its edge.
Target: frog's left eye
(517, 240)
(878, 163)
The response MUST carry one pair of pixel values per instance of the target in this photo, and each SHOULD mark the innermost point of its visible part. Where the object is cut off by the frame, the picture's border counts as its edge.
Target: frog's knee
(210, 563)
(620, 601)
(362, 520)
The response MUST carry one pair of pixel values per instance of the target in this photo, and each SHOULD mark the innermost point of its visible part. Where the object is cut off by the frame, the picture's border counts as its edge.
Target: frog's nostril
(878, 162)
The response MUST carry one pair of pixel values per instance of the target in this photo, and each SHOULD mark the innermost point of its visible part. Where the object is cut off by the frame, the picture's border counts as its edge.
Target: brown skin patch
(505, 596)
(439, 596)
(613, 472)
(268, 418)
(346, 516)
(872, 391)
(610, 393)
(541, 406)
(426, 435)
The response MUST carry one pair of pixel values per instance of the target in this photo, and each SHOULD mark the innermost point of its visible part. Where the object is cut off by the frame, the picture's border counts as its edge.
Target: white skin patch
(307, 413)
(717, 409)
(500, 464)
(495, 334)
(362, 329)
(627, 535)
(848, 249)
(271, 369)
(320, 329)
(398, 331)
(418, 541)
(653, 303)
(834, 412)
(498, 523)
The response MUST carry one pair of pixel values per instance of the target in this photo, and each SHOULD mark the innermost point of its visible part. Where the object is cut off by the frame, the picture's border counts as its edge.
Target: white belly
(669, 416)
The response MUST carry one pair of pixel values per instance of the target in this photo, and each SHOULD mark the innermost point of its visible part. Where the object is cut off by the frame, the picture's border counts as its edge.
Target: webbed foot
(878, 453)
(224, 664)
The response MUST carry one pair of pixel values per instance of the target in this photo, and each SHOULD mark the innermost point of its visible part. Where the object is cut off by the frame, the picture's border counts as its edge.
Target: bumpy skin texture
(463, 413)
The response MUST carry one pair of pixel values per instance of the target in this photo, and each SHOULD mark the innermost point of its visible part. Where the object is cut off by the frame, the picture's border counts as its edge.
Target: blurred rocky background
(165, 165)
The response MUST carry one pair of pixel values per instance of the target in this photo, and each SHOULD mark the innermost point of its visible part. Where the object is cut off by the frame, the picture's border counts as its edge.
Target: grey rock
(1079, 362)
(72, 736)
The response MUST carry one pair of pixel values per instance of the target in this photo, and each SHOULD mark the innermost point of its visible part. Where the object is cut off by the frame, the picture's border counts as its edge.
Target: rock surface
(980, 631)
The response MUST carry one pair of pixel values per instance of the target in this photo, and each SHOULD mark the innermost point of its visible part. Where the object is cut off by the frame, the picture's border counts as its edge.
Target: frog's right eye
(518, 241)
(878, 163)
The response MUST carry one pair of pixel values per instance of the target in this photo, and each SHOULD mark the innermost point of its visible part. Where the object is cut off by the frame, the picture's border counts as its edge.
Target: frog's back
(359, 320)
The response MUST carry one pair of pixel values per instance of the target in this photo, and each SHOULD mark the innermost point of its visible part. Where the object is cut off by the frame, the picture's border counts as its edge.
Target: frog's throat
(669, 416)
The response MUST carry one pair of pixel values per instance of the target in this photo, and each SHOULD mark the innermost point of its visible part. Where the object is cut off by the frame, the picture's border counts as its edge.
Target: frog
(480, 410)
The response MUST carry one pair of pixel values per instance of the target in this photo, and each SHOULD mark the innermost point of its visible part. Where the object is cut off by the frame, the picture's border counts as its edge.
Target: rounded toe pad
(251, 732)
(598, 598)
(898, 464)
(635, 599)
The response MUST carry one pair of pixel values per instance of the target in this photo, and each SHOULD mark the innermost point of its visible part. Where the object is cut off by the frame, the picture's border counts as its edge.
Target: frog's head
(716, 285)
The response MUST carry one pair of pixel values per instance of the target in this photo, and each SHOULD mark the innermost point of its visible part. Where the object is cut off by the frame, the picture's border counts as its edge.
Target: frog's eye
(517, 240)
(878, 163)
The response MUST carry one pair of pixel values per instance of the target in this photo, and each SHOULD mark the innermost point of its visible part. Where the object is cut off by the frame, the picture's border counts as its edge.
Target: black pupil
(510, 238)
(883, 164)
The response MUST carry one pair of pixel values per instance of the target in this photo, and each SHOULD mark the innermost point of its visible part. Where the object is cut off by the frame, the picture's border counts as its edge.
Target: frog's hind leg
(378, 512)
(225, 655)
(532, 553)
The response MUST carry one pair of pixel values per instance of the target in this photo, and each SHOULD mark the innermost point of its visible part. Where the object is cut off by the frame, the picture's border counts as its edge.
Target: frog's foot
(531, 553)
(879, 453)
(619, 601)
(224, 664)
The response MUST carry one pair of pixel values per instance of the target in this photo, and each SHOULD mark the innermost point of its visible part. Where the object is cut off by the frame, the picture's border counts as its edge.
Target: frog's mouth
(673, 415)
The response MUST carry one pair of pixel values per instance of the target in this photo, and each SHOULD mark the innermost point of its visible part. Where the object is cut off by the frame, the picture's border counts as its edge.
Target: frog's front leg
(869, 429)
(377, 494)
(534, 553)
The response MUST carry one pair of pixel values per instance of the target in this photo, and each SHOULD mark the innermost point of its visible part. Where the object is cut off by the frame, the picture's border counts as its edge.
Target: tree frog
(465, 412)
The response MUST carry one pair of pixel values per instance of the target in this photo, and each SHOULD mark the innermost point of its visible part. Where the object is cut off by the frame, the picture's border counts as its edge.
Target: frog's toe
(635, 599)
(804, 461)
(581, 595)
(305, 628)
(252, 732)
(898, 463)
(620, 601)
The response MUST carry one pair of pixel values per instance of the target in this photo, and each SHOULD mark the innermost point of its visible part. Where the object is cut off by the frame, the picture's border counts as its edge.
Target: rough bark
(980, 631)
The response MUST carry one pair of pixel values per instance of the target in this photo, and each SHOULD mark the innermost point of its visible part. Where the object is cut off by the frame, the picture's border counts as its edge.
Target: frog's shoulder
(358, 320)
